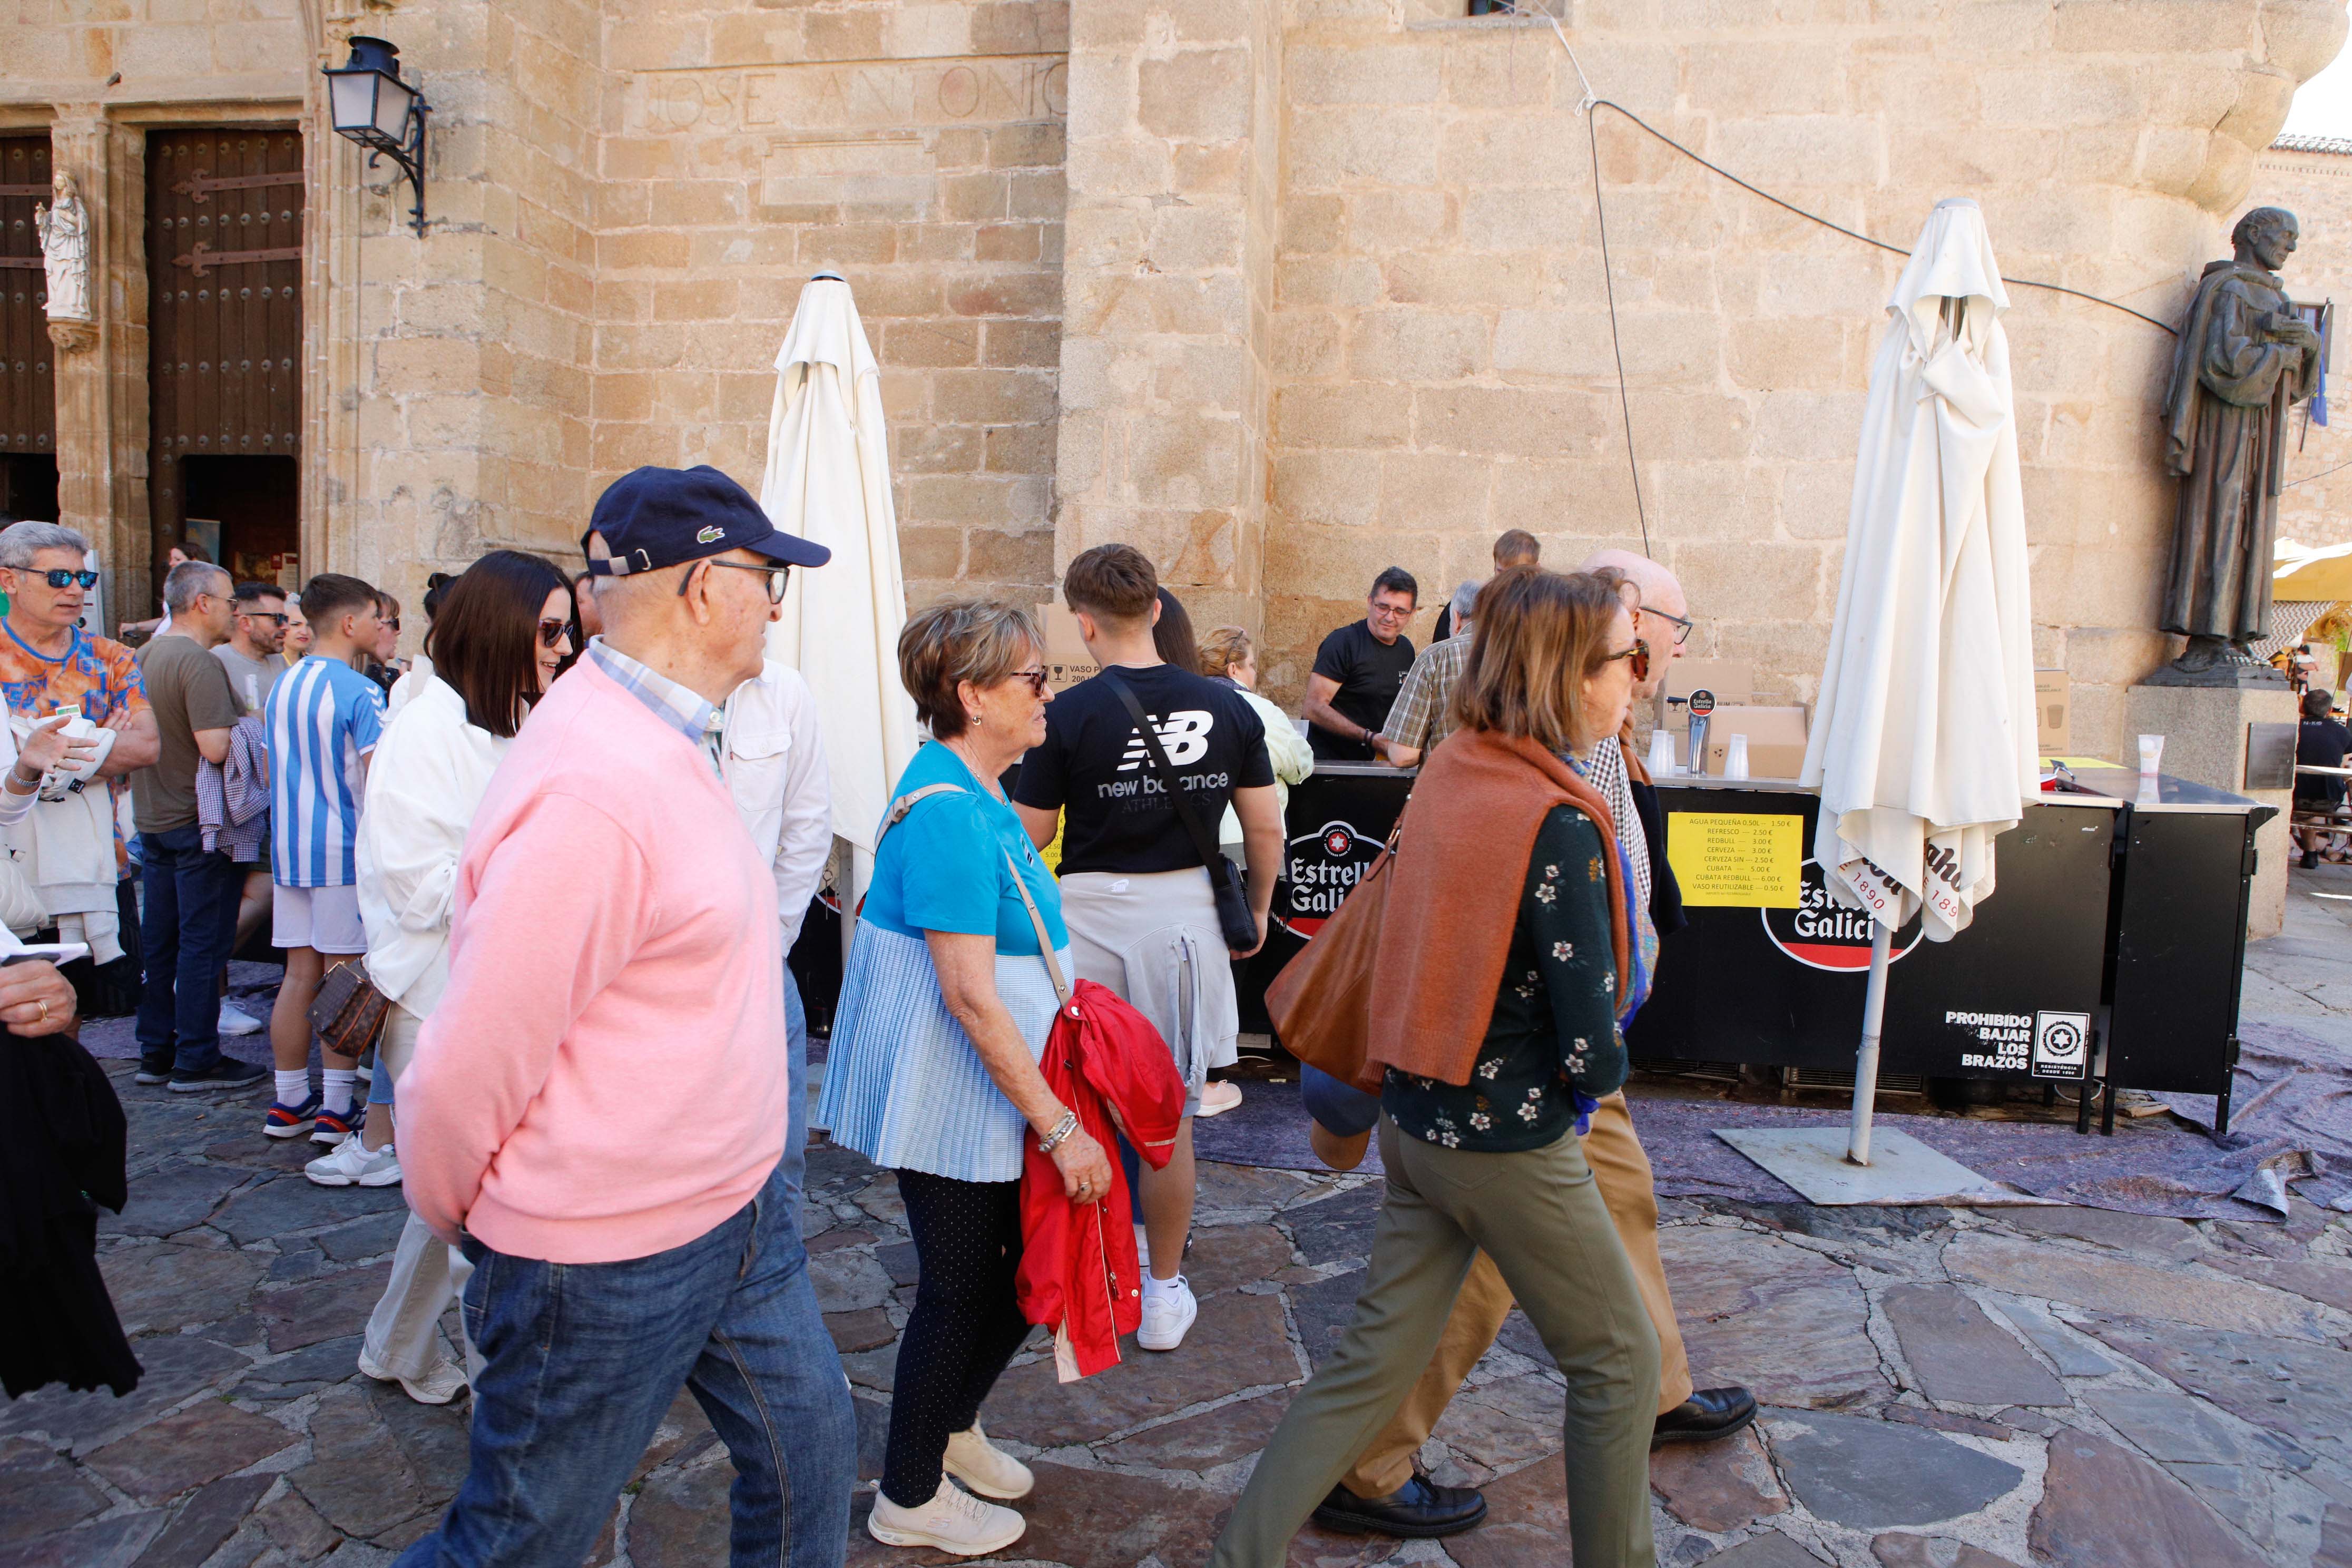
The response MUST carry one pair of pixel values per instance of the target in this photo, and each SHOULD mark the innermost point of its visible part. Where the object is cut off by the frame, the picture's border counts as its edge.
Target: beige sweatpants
(428, 1273)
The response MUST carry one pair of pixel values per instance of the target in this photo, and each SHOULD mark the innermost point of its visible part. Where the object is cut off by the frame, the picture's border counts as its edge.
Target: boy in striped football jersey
(323, 717)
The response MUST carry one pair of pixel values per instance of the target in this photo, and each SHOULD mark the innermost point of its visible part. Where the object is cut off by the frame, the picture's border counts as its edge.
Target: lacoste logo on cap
(711, 534)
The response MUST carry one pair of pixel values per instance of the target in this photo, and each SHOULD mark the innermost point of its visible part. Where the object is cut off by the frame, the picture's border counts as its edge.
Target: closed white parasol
(1922, 741)
(828, 479)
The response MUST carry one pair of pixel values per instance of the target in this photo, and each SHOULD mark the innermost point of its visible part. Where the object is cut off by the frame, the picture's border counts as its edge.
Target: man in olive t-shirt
(191, 892)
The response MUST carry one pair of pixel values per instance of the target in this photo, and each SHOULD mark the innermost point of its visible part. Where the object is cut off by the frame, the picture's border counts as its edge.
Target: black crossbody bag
(1225, 885)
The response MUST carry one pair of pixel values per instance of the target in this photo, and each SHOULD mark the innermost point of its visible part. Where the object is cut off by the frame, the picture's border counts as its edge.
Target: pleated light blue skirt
(903, 1084)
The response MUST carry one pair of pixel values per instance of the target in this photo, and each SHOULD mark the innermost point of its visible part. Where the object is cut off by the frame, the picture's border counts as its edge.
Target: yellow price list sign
(1748, 860)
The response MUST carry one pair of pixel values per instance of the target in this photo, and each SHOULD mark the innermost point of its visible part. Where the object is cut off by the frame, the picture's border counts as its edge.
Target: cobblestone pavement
(1945, 1388)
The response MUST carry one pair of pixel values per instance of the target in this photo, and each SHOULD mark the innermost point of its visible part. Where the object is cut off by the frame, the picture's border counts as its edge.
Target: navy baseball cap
(652, 518)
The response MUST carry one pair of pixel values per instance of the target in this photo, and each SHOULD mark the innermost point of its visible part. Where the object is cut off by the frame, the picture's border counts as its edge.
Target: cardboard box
(1732, 681)
(1776, 741)
(1067, 662)
(2053, 712)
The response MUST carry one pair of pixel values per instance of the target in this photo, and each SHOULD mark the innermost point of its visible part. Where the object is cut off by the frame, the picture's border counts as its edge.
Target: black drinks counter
(2110, 954)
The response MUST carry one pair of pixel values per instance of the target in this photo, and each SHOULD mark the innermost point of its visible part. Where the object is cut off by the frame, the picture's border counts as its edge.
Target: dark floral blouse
(1554, 1029)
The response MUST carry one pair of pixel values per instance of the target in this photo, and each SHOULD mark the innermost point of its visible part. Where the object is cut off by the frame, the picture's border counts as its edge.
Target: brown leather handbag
(348, 1010)
(1321, 1002)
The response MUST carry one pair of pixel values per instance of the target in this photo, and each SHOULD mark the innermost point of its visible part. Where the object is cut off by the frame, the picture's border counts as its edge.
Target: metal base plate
(1901, 1169)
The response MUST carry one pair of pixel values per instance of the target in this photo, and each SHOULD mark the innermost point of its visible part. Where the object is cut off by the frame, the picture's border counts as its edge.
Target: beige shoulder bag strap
(897, 814)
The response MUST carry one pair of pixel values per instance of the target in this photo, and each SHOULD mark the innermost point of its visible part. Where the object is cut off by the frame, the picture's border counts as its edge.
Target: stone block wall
(1444, 359)
(1174, 164)
(915, 149)
(1330, 298)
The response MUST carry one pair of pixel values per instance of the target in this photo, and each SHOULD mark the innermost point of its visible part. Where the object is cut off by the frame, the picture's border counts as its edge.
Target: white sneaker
(1216, 1098)
(439, 1386)
(353, 1164)
(953, 1521)
(236, 1020)
(1168, 1317)
(986, 1469)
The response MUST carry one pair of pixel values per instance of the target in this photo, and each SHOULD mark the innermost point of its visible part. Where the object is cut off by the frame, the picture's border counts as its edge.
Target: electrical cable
(1854, 234)
(1624, 403)
(2321, 475)
(1589, 106)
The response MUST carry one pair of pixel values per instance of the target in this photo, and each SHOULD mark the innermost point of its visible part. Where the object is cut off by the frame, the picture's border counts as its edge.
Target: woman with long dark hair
(502, 635)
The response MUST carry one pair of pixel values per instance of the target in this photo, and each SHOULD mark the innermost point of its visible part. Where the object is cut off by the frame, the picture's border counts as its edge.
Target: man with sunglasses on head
(49, 665)
(597, 1110)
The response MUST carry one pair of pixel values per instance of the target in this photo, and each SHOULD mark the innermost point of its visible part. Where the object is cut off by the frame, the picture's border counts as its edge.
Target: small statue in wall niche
(63, 226)
(2246, 355)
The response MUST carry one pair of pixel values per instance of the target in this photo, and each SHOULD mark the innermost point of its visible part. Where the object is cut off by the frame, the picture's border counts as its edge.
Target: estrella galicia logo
(1320, 870)
(2061, 1044)
(1821, 933)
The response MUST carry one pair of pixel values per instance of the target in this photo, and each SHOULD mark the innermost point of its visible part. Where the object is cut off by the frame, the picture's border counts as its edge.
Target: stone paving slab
(1951, 1389)
(1959, 1356)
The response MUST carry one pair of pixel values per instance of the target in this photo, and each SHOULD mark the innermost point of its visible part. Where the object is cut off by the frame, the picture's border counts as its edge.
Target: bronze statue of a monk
(2244, 357)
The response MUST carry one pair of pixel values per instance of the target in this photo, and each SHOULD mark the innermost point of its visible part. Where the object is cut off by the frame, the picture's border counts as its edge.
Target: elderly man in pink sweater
(597, 1110)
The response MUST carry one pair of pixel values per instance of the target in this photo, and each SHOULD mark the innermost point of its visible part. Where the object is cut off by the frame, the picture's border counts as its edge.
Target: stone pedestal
(2204, 731)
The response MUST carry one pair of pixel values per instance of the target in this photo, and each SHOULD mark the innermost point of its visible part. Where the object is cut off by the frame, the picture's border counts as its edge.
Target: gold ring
(44, 1004)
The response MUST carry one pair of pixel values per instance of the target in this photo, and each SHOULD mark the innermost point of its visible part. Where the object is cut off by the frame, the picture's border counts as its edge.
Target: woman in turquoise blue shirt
(932, 1069)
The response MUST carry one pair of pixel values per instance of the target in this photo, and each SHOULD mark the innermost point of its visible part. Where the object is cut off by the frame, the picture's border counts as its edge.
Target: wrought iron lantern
(373, 106)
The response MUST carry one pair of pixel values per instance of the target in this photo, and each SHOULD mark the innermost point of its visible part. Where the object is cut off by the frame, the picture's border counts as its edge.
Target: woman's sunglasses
(58, 577)
(1034, 674)
(553, 632)
(1639, 653)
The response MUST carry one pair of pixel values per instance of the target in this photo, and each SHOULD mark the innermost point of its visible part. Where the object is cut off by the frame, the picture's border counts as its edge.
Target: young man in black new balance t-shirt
(1135, 893)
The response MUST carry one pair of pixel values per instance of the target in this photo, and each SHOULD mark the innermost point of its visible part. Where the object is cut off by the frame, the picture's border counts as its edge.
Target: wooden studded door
(225, 270)
(29, 428)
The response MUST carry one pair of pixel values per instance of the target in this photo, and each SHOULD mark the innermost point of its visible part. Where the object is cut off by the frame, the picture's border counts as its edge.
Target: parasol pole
(1865, 1061)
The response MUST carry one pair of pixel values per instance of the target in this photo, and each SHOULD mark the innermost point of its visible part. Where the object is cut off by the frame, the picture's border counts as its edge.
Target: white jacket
(412, 680)
(775, 770)
(1286, 748)
(423, 783)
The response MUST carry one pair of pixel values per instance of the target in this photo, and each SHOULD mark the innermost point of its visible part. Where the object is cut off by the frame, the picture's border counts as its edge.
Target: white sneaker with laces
(953, 1521)
(1168, 1316)
(353, 1166)
(986, 1469)
(236, 1020)
(439, 1386)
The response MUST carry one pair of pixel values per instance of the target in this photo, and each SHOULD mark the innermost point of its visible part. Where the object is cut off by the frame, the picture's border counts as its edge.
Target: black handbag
(1225, 885)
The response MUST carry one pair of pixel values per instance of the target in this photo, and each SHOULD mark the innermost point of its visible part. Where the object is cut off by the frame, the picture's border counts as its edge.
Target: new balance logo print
(1183, 735)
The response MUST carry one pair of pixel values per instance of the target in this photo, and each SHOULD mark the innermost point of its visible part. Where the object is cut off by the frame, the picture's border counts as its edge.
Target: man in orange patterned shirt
(49, 665)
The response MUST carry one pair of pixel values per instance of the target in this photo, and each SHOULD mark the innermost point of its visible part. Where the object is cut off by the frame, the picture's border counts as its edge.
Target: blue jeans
(795, 1160)
(184, 934)
(1338, 1108)
(580, 1361)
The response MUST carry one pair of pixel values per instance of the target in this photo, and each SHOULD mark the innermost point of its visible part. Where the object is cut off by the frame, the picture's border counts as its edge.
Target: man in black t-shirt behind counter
(1358, 672)
(1135, 894)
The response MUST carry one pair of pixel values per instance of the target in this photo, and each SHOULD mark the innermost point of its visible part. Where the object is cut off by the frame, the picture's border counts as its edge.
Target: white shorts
(325, 920)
